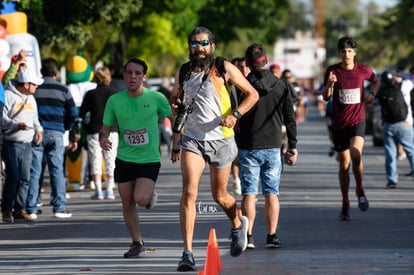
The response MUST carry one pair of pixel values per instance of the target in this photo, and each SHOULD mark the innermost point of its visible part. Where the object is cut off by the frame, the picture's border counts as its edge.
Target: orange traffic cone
(239, 212)
(213, 262)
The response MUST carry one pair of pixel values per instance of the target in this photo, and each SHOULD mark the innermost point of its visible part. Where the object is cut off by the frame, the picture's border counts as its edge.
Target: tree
(64, 27)
(238, 23)
(155, 31)
(388, 38)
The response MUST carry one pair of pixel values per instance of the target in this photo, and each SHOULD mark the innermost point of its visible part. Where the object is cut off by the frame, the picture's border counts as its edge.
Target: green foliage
(238, 23)
(157, 31)
(64, 27)
(387, 42)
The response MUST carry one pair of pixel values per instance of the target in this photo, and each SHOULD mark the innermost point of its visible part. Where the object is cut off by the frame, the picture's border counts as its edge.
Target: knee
(189, 196)
(128, 207)
(142, 200)
(220, 199)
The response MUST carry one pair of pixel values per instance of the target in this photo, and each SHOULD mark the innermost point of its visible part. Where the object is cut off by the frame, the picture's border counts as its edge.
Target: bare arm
(175, 97)
(105, 143)
(374, 90)
(329, 87)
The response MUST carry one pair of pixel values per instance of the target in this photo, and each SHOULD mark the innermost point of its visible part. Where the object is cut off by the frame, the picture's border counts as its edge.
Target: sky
(381, 3)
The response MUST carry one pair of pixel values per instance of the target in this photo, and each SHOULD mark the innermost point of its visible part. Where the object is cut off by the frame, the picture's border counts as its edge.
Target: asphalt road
(379, 241)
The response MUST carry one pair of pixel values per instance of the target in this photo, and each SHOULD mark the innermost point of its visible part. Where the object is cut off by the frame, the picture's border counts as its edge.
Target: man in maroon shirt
(345, 83)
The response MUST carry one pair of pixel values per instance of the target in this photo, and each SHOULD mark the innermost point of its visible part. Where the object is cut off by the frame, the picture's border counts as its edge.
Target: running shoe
(33, 216)
(391, 185)
(272, 241)
(153, 201)
(109, 195)
(98, 196)
(136, 249)
(250, 242)
(7, 217)
(331, 152)
(411, 174)
(63, 214)
(239, 238)
(344, 215)
(363, 203)
(187, 262)
(22, 215)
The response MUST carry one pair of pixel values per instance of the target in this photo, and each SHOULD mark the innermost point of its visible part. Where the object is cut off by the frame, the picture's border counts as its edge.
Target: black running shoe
(272, 241)
(363, 203)
(250, 242)
(331, 152)
(136, 249)
(344, 215)
(391, 185)
(187, 262)
(239, 238)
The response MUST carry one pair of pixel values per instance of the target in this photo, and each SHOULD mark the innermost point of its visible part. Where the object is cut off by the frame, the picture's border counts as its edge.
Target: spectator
(275, 70)
(21, 127)
(236, 186)
(18, 63)
(91, 113)
(57, 113)
(398, 125)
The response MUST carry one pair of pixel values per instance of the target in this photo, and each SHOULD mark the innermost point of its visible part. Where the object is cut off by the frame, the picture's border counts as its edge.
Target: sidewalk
(379, 241)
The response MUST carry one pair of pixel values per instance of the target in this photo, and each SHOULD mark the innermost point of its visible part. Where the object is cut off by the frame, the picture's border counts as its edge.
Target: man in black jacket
(259, 141)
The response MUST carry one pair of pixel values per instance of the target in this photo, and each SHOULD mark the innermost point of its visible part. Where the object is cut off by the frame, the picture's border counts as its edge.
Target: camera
(184, 110)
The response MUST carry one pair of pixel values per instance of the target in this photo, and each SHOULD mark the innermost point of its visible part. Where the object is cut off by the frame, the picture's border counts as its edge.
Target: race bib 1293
(136, 137)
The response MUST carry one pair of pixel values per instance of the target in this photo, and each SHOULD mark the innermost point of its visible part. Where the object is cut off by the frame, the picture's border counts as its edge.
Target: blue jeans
(394, 133)
(52, 149)
(17, 157)
(261, 165)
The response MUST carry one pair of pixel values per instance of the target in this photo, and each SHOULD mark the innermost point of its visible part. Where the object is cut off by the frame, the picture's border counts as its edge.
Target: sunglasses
(203, 43)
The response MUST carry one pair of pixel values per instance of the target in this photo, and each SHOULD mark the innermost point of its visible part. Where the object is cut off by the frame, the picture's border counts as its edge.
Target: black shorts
(342, 137)
(128, 171)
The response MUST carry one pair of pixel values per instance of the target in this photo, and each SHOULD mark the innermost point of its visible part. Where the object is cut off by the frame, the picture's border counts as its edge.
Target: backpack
(393, 106)
(185, 72)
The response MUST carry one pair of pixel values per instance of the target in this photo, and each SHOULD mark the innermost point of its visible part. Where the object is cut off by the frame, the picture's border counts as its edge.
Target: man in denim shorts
(260, 139)
(208, 137)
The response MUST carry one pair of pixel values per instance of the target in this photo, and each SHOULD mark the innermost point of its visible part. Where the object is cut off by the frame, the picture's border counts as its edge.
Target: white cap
(27, 76)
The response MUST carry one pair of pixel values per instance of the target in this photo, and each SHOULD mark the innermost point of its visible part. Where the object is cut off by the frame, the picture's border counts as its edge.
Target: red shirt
(348, 95)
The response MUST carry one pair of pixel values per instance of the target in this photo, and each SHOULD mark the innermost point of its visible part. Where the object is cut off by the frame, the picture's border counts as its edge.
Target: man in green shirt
(136, 110)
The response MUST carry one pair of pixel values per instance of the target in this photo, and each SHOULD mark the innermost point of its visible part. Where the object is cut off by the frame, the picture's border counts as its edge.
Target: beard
(201, 62)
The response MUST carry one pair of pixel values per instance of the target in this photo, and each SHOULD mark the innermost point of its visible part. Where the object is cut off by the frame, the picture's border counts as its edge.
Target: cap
(386, 77)
(275, 67)
(78, 70)
(27, 76)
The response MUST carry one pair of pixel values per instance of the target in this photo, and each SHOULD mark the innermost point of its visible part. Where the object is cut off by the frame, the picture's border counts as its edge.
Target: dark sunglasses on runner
(203, 43)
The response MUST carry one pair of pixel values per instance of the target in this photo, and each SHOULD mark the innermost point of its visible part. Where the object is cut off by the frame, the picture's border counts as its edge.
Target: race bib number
(349, 96)
(136, 137)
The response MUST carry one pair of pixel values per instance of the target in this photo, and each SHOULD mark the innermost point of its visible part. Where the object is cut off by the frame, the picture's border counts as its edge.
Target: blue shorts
(262, 165)
(219, 153)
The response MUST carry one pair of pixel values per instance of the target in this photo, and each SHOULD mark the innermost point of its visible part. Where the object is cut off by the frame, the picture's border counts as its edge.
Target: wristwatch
(237, 114)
